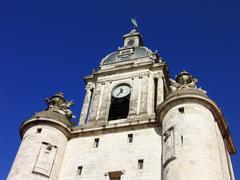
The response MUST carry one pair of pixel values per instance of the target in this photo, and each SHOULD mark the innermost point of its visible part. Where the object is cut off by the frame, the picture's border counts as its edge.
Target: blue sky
(48, 46)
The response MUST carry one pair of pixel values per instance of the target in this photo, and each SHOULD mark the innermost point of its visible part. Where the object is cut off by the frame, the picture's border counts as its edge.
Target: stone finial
(58, 103)
(184, 80)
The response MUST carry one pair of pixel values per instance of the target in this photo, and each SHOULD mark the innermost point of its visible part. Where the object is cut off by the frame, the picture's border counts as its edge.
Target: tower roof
(53, 115)
(139, 52)
(133, 49)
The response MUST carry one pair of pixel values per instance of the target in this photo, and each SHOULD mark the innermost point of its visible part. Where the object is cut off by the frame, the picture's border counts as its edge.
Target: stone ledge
(51, 122)
(80, 131)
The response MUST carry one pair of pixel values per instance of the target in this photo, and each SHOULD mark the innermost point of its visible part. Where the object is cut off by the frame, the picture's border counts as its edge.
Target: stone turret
(44, 138)
(196, 141)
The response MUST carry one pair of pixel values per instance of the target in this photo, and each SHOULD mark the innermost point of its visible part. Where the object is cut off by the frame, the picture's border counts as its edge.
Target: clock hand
(121, 90)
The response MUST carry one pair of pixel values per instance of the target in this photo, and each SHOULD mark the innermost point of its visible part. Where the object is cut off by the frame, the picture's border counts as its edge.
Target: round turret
(44, 138)
(134, 53)
(195, 136)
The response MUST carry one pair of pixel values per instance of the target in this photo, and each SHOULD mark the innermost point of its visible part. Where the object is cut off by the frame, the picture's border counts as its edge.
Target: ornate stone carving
(57, 103)
(184, 80)
(90, 86)
(168, 146)
(45, 159)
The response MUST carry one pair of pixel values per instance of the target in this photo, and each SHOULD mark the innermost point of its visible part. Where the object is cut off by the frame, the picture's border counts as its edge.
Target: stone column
(144, 95)
(100, 101)
(134, 97)
(150, 98)
(106, 101)
(160, 90)
(139, 94)
(95, 102)
(86, 104)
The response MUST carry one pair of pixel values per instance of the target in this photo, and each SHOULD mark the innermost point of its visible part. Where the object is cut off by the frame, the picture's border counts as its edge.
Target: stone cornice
(80, 131)
(66, 130)
(127, 66)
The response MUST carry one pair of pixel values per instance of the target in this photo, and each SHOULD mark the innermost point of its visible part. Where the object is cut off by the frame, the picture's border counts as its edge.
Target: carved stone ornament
(57, 103)
(90, 86)
(184, 80)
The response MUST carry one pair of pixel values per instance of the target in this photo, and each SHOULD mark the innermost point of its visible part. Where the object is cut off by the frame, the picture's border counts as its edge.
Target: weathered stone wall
(192, 145)
(31, 158)
(225, 163)
(114, 154)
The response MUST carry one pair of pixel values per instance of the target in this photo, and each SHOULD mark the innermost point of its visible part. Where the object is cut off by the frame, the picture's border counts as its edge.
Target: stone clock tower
(136, 123)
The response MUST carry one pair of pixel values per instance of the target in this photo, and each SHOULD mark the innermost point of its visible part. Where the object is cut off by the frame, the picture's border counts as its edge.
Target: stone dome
(57, 110)
(53, 115)
(138, 52)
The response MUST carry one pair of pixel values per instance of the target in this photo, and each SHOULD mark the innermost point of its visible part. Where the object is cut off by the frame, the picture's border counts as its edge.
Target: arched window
(120, 101)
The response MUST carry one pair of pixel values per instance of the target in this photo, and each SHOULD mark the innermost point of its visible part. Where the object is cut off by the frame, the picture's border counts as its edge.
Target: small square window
(96, 142)
(140, 164)
(130, 138)
(79, 170)
(39, 130)
(181, 110)
(115, 175)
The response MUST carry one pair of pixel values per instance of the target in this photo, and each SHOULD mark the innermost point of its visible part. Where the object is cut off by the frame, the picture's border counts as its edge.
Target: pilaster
(86, 104)
(144, 95)
(134, 97)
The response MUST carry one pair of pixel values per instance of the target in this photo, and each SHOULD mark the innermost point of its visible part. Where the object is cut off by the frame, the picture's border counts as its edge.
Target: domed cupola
(132, 49)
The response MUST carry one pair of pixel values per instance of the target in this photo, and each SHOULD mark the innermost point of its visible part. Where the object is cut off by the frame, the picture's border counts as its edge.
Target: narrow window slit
(130, 138)
(96, 143)
(39, 130)
(140, 164)
(182, 139)
(79, 170)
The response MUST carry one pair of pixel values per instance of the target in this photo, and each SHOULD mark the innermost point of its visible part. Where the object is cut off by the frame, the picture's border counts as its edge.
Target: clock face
(130, 42)
(121, 91)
